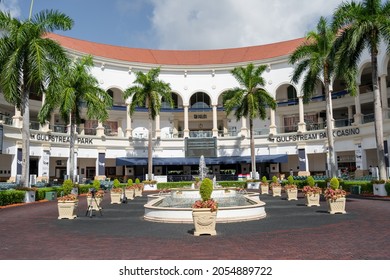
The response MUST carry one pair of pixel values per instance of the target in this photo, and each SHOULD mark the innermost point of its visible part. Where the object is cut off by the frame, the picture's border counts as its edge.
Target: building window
(200, 100)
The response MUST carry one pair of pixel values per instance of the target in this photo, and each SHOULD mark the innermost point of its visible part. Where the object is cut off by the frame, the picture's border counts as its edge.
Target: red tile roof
(179, 57)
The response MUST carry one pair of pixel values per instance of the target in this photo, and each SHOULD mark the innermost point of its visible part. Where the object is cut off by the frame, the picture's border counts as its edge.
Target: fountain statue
(203, 170)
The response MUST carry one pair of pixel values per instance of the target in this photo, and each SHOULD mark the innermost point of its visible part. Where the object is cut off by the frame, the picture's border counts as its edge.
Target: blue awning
(129, 161)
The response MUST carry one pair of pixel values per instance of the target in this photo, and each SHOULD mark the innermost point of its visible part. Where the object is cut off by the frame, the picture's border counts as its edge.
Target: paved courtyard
(290, 231)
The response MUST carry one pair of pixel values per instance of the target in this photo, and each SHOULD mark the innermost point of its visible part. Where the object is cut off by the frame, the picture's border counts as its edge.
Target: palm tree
(148, 91)
(315, 61)
(363, 25)
(250, 100)
(76, 88)
(28, 61)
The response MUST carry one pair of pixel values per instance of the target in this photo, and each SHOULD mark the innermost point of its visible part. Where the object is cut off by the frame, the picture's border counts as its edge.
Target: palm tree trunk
(253, 155)
(71, 147)
(329, 131)
(25, 112)
(378, 124)
(150, 156)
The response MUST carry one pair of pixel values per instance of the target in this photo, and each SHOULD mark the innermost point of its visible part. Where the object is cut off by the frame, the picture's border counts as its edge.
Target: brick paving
(291, 231)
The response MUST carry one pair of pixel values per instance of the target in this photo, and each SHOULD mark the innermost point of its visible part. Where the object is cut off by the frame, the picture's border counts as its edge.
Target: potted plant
(150, 185)
(335, 197)
(253, 184)
(378, 187)
(67, 206)
(264, 185)
(130, 189)
(95, 197)
(312, 193)
(116, 192)
(139, 187)
(204, 211)
(276, 187)
(291, 189)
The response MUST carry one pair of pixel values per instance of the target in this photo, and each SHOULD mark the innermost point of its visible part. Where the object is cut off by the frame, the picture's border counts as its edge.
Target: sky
(183, 24)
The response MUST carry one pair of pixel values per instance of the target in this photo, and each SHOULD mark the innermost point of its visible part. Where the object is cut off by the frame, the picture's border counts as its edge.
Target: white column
(215, 121)
(158, 129)
(301, 124)
(17, 119)
(272, 127)
(244, 130)
(186, 130)
(129, 130)
(100, 129)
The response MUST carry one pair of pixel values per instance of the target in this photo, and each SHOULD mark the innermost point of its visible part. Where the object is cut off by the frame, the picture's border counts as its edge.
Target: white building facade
(292, 138)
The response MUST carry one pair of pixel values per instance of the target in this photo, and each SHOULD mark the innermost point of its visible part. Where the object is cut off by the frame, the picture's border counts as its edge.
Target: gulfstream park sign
(60, 139)
(314, 136)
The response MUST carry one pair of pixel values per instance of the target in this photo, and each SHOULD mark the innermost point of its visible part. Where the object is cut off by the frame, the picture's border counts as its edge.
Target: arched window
(165, 105)
(200, 100)
(291, 93)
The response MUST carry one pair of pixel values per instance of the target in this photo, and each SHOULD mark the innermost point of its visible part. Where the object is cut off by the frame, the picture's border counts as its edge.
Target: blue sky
(183, 24)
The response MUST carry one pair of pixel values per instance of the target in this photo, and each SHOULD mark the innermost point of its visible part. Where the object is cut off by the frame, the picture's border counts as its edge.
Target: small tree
(206, 189)
(310, 181)
(116, 183)
(129, 182)
(334, 183)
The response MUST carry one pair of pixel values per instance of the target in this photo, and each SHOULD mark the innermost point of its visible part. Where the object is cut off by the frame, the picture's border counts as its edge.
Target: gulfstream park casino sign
(314, 136)
(60, 139)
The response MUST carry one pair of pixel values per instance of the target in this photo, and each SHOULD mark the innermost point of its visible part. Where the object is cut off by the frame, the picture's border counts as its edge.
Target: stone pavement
(290, 231)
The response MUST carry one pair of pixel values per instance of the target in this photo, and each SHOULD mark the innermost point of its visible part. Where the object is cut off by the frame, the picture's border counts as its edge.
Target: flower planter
(116, 197)
(264, 189)
(337, 205)
(204, 221)
(379, 189)
(277, 191)
(95, 203)
(253, 185)
(67, 209)
(138, 192)
(150, 187)
(312, 199)
(292, 194)
(129, 193)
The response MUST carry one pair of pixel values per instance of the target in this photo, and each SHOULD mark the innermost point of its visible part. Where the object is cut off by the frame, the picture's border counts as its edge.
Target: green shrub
(11, 197)
(96, 184)
(205, 189)
(264, 180)
(67, 186)
(290, 180)
(130, 182)
(274, 179)
(334, 183)
(116, 183)
(137, 181)
(310, 181)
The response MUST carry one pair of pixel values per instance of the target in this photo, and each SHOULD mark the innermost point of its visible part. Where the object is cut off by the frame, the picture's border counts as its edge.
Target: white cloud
(213, 24)
(11, 6)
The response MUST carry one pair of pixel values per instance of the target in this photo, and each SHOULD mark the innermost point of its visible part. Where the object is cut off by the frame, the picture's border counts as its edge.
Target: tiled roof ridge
(180, 57)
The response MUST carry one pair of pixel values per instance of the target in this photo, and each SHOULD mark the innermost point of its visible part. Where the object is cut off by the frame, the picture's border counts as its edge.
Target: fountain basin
(254, 208)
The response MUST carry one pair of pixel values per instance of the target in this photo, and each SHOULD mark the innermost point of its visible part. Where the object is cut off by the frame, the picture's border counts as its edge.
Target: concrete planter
(253, 185)
(94, 203)
(129, 193)
(336, 206)
(277, 191)
(67, 209)
(204, 221)
(379, 189)
(116, 197)
(292, 194)
(312, 199)
(29, 197)
(264, 189)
